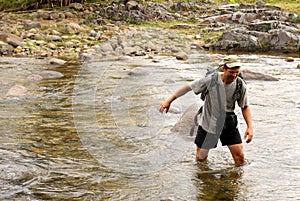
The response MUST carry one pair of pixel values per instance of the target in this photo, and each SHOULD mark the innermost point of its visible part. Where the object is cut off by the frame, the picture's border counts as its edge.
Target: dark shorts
(230, 135)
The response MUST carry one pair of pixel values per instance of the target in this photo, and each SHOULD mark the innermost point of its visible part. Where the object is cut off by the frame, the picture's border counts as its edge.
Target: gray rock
(42, 14)
(50, 74)
(73, 28)
(181, 56)
(12, 39)
(285, 41)
(106, 47)
(138, 72)
(233, 40)
(53, 38)
(249, 75)
(186, 121)
(5, 49)
(55, 61)
(264, 26)
(34, 78)
(32, 25)
(76, 6)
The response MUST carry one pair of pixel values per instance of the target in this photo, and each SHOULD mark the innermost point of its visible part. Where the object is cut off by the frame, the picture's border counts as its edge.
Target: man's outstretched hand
(165, 106)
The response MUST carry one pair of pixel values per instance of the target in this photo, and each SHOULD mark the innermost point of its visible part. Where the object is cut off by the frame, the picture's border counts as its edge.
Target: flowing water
(96, 133)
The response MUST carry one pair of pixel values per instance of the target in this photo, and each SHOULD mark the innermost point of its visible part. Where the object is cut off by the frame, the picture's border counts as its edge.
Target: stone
(16, 91)
(73, 28)
(52, 46)
(32, 25)
(34, 78)
(181, 56)
(18, 49)
(12, 39)
(53, 38)
(106, 47)
(5, 49)
(138, 72)
(76, 6)
(249, 75)
(186, 121)
(55, 61)
(289, 59)
(47, 74)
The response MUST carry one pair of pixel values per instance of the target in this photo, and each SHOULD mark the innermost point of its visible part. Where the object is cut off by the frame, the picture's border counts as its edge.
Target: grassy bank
(287, 5)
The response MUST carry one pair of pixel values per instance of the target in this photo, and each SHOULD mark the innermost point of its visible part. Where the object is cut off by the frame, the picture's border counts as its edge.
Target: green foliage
(264, 45)
(16, 3)
(212, 37)
(287, 5)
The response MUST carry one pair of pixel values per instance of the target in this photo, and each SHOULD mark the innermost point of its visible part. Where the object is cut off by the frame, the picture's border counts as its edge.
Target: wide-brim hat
(232, 61)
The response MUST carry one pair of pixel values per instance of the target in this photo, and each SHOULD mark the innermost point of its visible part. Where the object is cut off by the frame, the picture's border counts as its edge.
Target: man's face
(230, 74)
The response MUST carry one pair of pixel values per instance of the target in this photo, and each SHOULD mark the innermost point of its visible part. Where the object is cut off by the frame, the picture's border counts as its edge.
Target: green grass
(288, 5)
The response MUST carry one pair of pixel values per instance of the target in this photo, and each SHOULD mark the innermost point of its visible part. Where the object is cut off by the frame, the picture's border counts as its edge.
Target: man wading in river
(218, 120)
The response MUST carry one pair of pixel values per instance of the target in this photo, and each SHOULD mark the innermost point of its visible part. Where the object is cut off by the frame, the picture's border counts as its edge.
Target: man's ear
(223, 68)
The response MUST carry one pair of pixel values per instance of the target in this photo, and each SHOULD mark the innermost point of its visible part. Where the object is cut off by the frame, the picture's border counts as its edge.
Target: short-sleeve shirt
(211, 107)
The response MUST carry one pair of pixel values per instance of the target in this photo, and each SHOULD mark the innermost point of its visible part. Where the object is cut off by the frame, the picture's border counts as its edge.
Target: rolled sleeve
(243, 100)
(199, 85)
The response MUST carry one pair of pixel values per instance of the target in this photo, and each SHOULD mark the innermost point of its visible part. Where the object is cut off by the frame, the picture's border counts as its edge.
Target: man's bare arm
(167, 103)
(248, 118)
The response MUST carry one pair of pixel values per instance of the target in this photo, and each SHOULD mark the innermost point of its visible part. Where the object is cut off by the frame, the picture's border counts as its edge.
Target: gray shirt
(212, 110)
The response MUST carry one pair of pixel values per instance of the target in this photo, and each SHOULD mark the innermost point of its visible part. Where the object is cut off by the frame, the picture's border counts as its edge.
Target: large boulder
(249, 75)
(186, 121)
(12, 39)
(237, 41)
(285, 41)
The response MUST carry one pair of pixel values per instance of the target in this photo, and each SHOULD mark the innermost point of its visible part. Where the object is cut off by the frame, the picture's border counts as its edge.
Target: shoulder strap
(214, 80)
(238, 89)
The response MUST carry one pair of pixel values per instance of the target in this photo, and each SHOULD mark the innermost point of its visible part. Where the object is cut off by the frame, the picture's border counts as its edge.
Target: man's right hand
(165, 106)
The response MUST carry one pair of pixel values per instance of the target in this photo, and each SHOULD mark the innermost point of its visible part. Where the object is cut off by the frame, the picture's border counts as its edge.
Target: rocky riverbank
(79, 32)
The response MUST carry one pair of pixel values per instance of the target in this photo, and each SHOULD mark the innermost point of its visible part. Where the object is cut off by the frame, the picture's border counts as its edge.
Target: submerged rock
(138, 72)
(34, 78)
(50, 74)
(16, 91)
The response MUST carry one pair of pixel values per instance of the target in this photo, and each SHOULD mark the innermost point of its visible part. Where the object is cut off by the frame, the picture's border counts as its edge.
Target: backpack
(236, 94)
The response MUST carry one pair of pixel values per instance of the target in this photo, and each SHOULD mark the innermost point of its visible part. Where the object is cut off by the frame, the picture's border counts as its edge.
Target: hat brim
(234, 64)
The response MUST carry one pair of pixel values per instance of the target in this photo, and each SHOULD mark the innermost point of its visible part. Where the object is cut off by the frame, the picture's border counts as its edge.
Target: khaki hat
(232, 61)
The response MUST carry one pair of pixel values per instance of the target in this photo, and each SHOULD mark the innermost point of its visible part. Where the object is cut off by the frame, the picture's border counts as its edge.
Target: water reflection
(224, 184)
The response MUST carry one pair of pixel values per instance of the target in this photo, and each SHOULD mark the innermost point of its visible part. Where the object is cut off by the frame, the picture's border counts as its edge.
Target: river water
(96, 133)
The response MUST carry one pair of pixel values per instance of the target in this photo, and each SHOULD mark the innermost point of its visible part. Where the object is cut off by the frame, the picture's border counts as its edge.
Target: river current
(97, 134)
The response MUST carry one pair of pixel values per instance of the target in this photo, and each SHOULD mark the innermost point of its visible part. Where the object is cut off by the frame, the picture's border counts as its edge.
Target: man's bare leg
(237, 154)
(201, 154)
